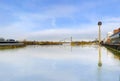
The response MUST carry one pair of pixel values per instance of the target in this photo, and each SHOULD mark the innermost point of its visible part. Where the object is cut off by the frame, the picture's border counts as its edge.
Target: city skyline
(57, 19)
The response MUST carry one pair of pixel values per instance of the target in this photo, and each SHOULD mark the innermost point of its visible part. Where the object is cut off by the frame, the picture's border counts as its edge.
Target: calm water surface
(59, 63)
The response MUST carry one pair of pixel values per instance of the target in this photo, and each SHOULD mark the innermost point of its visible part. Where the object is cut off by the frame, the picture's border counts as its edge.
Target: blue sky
(57, 19)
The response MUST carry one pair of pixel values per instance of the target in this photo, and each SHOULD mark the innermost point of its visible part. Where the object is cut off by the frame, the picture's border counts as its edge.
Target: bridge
(66, 41)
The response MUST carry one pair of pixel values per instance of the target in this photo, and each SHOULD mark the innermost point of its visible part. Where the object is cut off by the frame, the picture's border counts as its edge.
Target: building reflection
(71, 48)
(114, 54)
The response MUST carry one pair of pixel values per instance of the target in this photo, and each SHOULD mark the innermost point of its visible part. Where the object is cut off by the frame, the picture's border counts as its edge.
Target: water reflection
(115, 54)
(58, 63)
(119, 77)
(99, 61)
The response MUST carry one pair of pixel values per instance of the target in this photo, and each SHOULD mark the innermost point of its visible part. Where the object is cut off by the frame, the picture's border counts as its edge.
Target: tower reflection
(99, 64)
(99, 60)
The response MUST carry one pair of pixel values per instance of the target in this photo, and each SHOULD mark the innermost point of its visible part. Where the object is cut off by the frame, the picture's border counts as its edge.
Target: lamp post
(99, 35)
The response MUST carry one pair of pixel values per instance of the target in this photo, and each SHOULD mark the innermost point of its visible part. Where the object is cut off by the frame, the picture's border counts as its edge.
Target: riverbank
(25, 43)
(113, 49)
(112, 46)
(11, 45)
(77, 43)
(41, 43)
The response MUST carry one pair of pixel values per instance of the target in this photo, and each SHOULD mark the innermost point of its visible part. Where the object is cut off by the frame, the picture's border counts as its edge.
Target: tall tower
(71, 41)
(99, 34)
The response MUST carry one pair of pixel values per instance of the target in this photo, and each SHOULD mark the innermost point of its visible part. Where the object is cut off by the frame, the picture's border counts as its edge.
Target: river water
(59, 63)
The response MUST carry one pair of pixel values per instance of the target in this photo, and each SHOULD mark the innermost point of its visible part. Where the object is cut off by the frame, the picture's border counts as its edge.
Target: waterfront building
(115, 37)
(107, 39)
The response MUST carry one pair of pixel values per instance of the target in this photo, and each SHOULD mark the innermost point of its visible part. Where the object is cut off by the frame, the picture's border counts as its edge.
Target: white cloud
(20, 30)
(61, 33)
(81, 32)
(60, 11)
(113, 20)
(47, 29)
(53, 23)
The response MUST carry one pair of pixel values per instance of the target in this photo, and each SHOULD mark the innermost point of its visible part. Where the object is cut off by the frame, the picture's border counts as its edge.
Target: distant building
(2, 39)
(10, 40)
(109, 34)
(108, 39)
